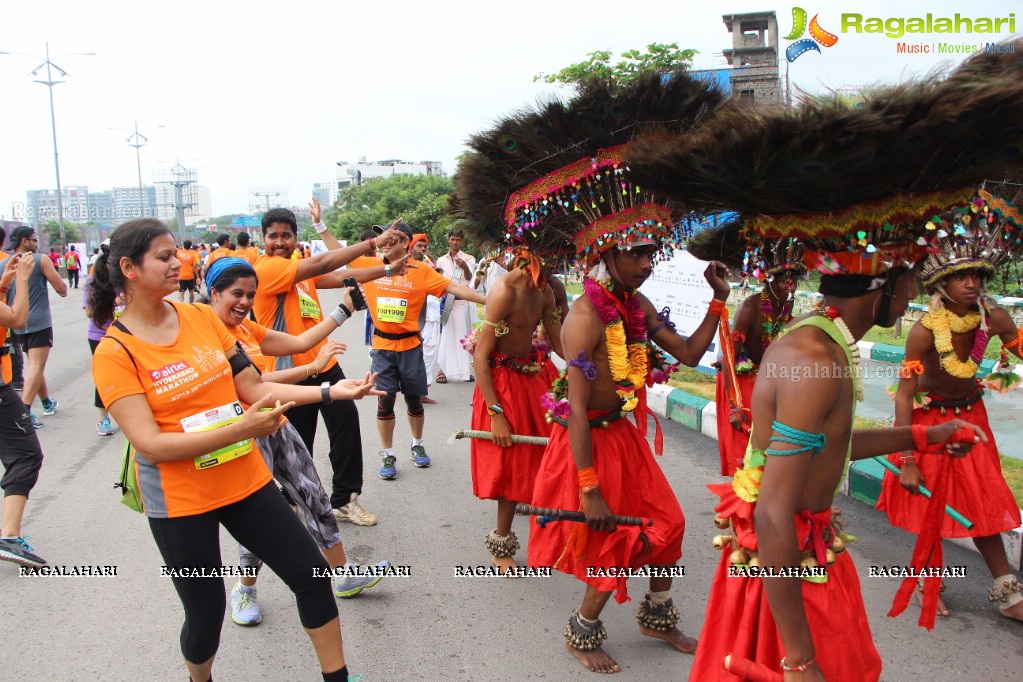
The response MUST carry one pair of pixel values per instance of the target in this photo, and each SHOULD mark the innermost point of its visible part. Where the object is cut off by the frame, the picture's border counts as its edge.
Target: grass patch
(888, 336)
(1012, 469)
(694, 381)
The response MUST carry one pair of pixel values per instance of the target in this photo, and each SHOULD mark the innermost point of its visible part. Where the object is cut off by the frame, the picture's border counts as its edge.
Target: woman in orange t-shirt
(232, 286)
(173, 378)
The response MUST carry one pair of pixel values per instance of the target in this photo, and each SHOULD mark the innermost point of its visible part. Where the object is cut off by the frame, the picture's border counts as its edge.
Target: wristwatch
(387, 270)
(325, 392)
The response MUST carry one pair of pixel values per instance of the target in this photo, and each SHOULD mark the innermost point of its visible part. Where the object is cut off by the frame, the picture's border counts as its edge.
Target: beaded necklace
(771, 324)
(854, 350)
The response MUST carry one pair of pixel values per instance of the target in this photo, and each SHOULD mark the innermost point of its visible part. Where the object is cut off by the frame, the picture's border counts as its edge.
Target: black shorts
(38, 339)
(399, 371)
(186, 285)
(20, 454)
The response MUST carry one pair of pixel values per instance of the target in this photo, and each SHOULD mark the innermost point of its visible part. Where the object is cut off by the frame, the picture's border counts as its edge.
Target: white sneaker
(244, 607)
(355, 512)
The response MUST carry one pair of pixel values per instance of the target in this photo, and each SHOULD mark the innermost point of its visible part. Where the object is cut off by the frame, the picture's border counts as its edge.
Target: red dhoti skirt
(631, 483)
(510, 472)
(731, 443)
(977, 488)
(739, 622)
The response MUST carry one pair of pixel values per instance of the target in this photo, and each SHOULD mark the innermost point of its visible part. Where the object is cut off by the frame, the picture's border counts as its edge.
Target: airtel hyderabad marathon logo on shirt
(172, 376)
(896, 28)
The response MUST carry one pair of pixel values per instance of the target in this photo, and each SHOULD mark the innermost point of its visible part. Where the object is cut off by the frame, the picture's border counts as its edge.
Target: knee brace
(415, 405)
(385, 406)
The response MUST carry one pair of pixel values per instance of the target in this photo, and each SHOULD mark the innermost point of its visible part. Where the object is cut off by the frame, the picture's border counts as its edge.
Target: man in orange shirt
(395, 302)
(286, 301)
(189, 263)
(223, 250)
(245, 249)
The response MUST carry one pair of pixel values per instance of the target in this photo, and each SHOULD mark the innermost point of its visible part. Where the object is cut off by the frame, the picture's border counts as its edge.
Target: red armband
(717, 307)
(920, 443)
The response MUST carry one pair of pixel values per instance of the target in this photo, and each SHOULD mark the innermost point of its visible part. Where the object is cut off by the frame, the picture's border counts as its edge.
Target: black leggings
(264, 523)
(95, 398)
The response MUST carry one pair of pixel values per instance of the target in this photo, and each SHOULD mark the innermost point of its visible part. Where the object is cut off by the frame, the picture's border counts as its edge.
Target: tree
(421, 200)
(658, 57)
(51, 228)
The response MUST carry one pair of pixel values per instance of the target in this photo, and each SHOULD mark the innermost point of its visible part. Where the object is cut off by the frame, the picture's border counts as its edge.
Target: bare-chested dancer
(513, 371)
(597, 454)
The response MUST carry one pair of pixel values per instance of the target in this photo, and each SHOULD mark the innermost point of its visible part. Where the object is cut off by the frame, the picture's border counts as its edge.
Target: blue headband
(222, 264)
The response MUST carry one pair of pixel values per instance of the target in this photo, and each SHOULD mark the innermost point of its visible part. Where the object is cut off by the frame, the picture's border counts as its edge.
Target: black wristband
(325, 393)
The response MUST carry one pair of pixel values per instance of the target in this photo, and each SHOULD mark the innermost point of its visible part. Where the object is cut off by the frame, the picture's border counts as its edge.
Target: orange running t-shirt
(395, 302)
(189, 386)
(221, 252)
(249, 253)
(188, 259)
(286, 306)
(250, 334)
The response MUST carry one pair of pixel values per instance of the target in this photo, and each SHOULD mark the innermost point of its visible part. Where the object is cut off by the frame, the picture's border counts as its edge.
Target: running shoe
(35, 420)
(388, 471)
(355, 512)
(49, 407)
(420, 457)
(17, 550)
(244, 607)
(365, 577)
(104, 428)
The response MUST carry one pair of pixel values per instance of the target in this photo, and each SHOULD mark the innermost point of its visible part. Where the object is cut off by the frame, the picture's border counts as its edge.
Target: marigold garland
(942, 322)
(626, 340)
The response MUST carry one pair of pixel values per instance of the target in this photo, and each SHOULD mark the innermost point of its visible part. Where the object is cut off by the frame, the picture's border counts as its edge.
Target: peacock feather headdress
(982, 235)
(762, 258)
(552, 177)
(862, 186)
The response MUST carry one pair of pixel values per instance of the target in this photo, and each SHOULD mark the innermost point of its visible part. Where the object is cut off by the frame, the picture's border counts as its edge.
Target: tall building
(326, 192)
(756, 78)
(126, 203)
(41, 205)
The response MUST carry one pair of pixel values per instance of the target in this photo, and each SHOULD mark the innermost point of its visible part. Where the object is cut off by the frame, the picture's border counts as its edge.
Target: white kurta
(455, 361)
(431, 336)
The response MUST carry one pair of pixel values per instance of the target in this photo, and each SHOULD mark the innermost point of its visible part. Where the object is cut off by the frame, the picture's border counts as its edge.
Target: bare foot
(918, 597)
(506, 564)
(1015, 611)
(674, 637)
(427, 400)
(596, 661)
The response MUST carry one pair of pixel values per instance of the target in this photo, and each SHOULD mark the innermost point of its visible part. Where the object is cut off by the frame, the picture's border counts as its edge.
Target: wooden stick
(486, 435)
(576, 516)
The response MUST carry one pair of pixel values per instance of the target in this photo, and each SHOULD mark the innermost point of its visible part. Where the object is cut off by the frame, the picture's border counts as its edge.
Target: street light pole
(138, 140)
(49, 83)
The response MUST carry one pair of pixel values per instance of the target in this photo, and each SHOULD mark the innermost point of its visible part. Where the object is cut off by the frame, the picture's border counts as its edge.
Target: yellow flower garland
(628, 363)
(942, 323)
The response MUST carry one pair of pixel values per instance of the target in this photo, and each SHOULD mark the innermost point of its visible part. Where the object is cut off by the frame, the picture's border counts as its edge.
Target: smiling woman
(172, 376)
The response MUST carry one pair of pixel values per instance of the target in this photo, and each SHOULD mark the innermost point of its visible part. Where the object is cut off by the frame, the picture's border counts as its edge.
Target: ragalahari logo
(818, 36)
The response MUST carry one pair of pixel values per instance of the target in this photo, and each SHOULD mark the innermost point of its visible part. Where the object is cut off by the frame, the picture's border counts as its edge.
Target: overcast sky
(274, 93)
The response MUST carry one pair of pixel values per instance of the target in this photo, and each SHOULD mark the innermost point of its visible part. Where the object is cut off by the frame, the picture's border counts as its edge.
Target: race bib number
(307, 306)
(215, 419)
(391, 309)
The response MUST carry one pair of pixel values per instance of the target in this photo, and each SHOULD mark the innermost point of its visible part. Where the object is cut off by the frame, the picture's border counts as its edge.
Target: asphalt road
(431, 625)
